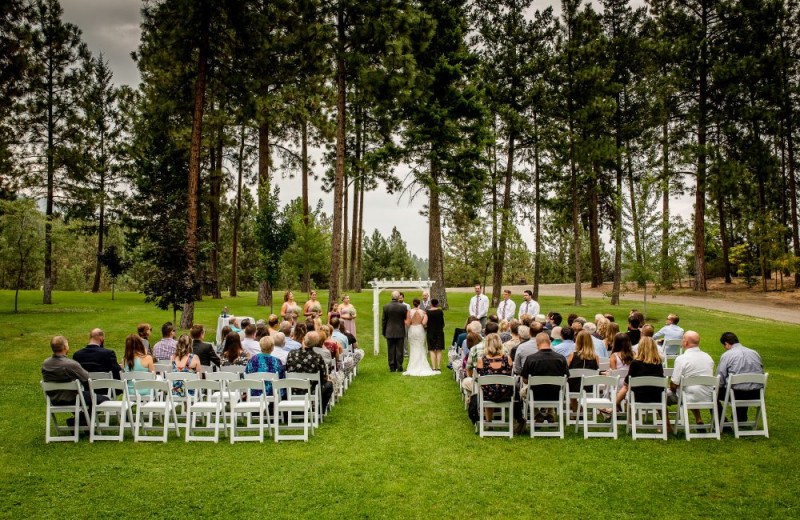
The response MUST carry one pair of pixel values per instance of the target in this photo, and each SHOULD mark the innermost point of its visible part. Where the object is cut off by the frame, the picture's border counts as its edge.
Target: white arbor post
(377, 287)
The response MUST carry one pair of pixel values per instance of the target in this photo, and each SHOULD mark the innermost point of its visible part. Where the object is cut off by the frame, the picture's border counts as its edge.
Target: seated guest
(599, 346)
(513, 330)
(273, 321)
(234, 324)
(320, 348)
(143, 331)
(633, 330)
(165, 348)
(233, 353)
(738, 359)
(136, 359)
(554, 321)
(351, 340)
(307, 360)
(476, 352)
(295, 341)
(222, 335)
(249, 343)
(536, 328)
(545, 362)
(693, 362)
(647, 363)
(265, 361)
(571, 319)
(584, 357)
(332, 346)
(279, 352)
(555, 333)
(670, 330)
(494, 361)
(96, 358)
(621, 352)
(459, 340)
(602, 328)
(204, 351)
(647, 332)
(184, 360)
(338, 336)
(526, 347)
(472, 327)
(504, 330)
(611, 332)
(285, 328)
(567, 345)
(527, 320)
(609, 317)
(261, 330)
(58, 368)
(473, 339)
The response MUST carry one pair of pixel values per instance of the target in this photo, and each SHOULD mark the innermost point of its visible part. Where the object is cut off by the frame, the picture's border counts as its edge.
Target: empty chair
(672, 349)
(730, 400)
(293, 407)
(684, 405)
(77, 408)
(506, 409)
(159, 403)
(558, 405)
(120, 409)
(250, 407)
(638, 411)
(203, 400)
(590, 400)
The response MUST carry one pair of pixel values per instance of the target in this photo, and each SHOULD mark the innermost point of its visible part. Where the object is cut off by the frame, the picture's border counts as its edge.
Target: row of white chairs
(598, 392)
(220, 399)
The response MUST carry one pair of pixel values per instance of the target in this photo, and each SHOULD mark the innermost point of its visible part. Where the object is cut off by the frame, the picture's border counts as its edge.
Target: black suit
(394, 330)
(94, 358)
(205, 352)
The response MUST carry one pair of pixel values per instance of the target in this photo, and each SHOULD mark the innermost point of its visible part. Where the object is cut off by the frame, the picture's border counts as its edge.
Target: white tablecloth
(221, 322)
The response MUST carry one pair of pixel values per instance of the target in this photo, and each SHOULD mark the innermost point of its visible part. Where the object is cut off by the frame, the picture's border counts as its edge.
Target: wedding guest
(525, 348)
(234, 352)
(494, 361)
(222, 335)
(599, 346)
(337, 336)
(273, 321)
(307, 360)
(609, 317)
(434, 333)
(693, 362)
(234, 324)
(671, 330)
(611, 333)
(647, 332)
(633, 330)
(136, 359)
(295, 341)
(58, 368)
(262, 330)
(567, 345)
(738, 359)
(584, 357)
(544, 362)
(555, 333)
(164, 349)
(352, 342)
(184, 360)
(513, 330)
(249, 343)
(94, 357)
(571, 318)
(265, 361)
(621, 352)
(461, 338)
(348, 315)
(312, 308)
(329, 344)
(647, 363)
(279, 351)
(289, 309)
(144, 330)
(504, 329)
(204, 351)
(473, 339)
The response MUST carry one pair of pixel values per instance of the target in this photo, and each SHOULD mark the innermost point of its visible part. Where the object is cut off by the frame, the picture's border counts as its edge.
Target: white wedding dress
(417, 353)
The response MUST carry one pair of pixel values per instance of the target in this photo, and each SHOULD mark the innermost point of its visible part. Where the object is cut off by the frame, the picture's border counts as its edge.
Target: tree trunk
(538, 255)
(700, 189)
(215, 196)
(341, 105)
(435, 263)
(493, 212)
(47, 297)
(359, 281)
(576, 232)
(665, 274)
(617, 212)
(101, 226)
(345, 231)
(351, 283)
(788, 127)
(264, 158)
(505, 225)
(304, 173)
(237, 218)
(634, 213)
(187, 316)
(594, 231)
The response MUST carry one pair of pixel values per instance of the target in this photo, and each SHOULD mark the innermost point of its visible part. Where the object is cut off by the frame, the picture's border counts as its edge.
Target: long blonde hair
(584, 347)
(184, 346)
(647, 352)
(612, 329)
(492, 345)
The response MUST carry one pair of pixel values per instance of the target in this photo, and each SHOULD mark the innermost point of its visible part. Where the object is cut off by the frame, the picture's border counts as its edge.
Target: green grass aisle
(395, 447)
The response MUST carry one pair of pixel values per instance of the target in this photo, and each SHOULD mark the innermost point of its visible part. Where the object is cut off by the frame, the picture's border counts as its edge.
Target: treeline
(579, 128)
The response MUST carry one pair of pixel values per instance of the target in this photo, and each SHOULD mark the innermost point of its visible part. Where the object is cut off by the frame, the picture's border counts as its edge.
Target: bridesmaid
(348, 314)
(289, 308)
(313, 308)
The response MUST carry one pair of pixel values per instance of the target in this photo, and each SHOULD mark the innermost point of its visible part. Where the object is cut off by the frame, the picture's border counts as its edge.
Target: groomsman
(479, 306)
(507, 308)
(529, 306)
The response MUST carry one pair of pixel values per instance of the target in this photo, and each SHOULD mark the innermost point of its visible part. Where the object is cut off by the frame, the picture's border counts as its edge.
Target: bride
(416, 320)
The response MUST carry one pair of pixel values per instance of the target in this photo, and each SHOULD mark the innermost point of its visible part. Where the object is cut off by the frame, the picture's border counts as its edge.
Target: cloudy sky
(111, 27)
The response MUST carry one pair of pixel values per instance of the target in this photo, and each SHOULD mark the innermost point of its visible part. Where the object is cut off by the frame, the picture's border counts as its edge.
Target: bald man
(693, 362)
(95, 358)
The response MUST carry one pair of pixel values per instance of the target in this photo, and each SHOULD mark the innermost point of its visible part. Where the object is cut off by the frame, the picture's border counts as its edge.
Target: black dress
(578, 362)
(435, 330)
(646, 394)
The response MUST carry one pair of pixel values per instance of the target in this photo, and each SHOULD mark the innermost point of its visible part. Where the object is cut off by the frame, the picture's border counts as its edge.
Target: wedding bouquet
(315, 307)
(296, 310)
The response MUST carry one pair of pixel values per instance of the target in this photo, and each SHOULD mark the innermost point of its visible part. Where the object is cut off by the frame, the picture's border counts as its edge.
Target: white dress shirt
(529, 307)
(506, 309)
(251, 346)
(479, 306)
(693, 362)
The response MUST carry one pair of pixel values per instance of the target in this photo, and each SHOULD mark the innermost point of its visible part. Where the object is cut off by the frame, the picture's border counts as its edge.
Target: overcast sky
(111, 27)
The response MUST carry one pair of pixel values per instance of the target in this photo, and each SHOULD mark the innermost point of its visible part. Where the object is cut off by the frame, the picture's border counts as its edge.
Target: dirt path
(756, 307)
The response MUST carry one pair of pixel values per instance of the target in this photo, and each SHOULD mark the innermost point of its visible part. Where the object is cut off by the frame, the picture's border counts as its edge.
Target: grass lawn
(395, 447)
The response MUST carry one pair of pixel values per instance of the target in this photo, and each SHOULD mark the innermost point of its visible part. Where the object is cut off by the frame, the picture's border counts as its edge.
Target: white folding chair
(246, 407)
(293, 405)
(158, 403)
(576, 374)
(122, 409)
(592, 401)
(225, 394)
(731, 401)
(181, 400)
(668, 372)
(561, 383)
(264, 377)
(603, 365)
(77, 408)
(235, 369)
(204, 403)
(621, 374)
(315, 397)
(207, 369)
(672, 349)
(639, 411)
(506, 409)
(163, 367)
(684, 405)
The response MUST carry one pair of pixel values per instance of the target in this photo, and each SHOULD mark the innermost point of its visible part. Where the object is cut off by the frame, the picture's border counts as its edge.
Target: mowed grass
(395, 447)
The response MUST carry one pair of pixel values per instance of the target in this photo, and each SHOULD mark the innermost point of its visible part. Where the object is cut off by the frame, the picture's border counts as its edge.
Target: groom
(394, 330)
